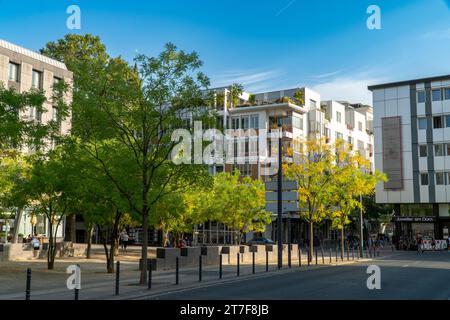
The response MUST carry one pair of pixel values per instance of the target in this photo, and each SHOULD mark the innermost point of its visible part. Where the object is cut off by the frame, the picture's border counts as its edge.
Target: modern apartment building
(269, 110)
(412, 147)
(23, 70)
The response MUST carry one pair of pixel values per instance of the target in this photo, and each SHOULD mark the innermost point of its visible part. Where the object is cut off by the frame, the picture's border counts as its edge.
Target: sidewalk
(96, 284)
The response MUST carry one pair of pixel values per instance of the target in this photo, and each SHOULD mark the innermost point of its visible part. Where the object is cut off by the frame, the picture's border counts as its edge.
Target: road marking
(405, 266)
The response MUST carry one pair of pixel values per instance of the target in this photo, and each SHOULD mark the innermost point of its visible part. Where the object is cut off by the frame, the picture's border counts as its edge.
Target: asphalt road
(404, 275)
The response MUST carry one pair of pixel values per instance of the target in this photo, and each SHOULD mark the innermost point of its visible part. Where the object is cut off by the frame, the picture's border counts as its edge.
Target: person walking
(36, 244)
(419, 243)
(125, 238)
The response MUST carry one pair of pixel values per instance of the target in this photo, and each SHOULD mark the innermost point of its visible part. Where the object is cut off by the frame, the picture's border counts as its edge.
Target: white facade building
(23, 70)
(412, 147)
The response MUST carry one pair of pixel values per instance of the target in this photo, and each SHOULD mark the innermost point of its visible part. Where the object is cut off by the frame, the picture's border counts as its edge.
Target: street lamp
(361, 227)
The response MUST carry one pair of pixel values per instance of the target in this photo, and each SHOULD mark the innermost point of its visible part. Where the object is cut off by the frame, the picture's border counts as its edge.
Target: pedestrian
(419, 244)
(433, 244)
(36, 244)
(124, 236)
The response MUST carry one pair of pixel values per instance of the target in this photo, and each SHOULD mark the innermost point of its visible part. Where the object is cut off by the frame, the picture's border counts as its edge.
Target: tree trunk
(70, 232)
(89, 243)
(311, 239)
(51, 244)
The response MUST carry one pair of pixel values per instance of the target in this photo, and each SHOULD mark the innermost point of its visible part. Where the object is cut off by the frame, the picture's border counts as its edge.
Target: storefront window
(416, 210)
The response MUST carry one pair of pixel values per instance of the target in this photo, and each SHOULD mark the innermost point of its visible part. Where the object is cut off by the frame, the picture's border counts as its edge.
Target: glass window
(297, 122)
(338, 117)
(424, 179)
(55, 114)
(245, 122)
(448, 149)
(436, 95)
(312, 104)
(440, 178)
(437, 122)
(439, 150)
(36, 81)
(254, 122)
(360, 126)
(423, 151)
(14, 72)
(339, 136)
(350, 140)
(421, 96)
(235, 123)
(422, 123)
(447, 93)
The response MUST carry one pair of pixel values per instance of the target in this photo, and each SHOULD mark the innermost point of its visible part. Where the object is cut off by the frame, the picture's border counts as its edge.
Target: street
(404, 275)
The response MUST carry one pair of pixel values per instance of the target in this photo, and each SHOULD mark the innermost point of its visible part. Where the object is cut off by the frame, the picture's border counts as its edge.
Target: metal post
(289, 241)
(331, 253)
(361, 225)
(337, 252)
(150, 275)
(348, 254)
(220, 266)
(177, 270)
(299, 256)
(238, 264)
(76, 294)
(200, 268)
(316, 254)
(280, 199)
(253, 262)
(28, 288)
(353, 253)
(117, 277)
(321, 251)
(267, 261)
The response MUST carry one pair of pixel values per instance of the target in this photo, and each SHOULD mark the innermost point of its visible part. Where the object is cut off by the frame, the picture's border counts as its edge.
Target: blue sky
(264, 44)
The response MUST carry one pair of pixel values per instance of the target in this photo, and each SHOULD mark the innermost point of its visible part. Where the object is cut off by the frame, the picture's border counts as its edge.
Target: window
(446, 93)
(245, 122)
(423, 151)
(440, 178)
(36, 81)
(339, 136)
(14, 72)
(424, 179)
(338, 117)
(32, 112)
(360, 126)
(422, 123)
(437, 122)
(360, 145)
(312, 104)
(234, 123)
(421, 96)
(254, 122)
(350, 140)
(436, 94)
(297, 122)
(448, 149)
(55, 116)
(439, 150)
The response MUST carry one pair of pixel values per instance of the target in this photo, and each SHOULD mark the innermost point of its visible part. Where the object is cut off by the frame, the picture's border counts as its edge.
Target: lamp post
(280, 207)
(361, 227)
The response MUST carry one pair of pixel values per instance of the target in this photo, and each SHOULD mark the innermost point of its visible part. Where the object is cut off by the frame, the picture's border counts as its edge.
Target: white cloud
(346, 88)
(252, 80)
(327, 75)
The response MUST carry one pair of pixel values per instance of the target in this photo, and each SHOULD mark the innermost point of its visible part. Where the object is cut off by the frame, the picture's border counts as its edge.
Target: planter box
(225, 250)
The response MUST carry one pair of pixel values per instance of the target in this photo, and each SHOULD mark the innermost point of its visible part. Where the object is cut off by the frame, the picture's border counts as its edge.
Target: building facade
(412, 147)
(332, 120)
(22, 69)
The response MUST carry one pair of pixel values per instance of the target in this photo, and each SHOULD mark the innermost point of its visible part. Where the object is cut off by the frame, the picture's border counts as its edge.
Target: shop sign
(413, 219)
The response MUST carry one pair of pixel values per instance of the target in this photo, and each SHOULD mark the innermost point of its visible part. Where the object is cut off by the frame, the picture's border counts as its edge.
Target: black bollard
(200, 268)
(289, 255)
(220, 266)
(253, 262)
(316, 256)
(28, 288)
(267, 261)
(353, 253)
(76, 294)
(337, 253)
(117, 277)
(331, 253)
(348, 254)
(150, 275)
(299, 256)
(177, 270)
(238, 264)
